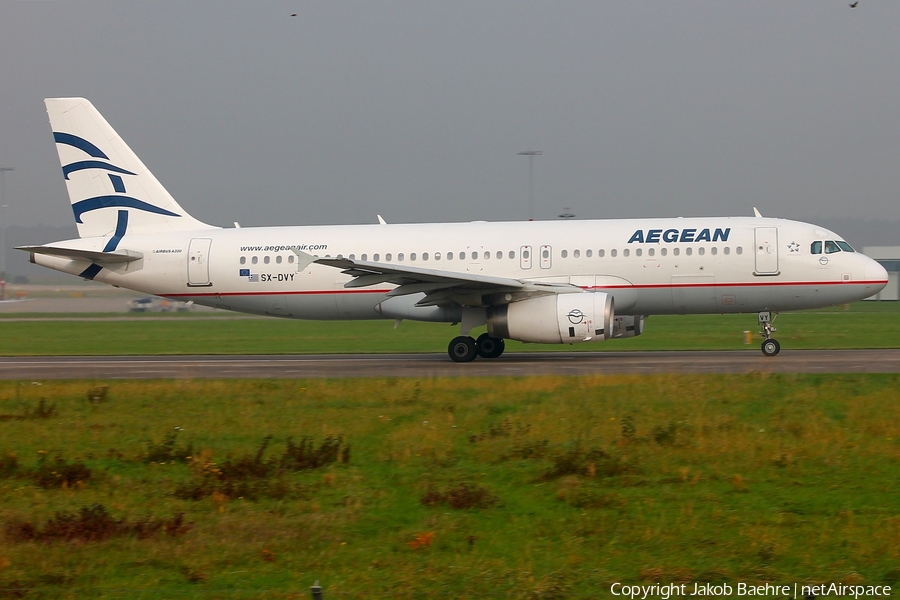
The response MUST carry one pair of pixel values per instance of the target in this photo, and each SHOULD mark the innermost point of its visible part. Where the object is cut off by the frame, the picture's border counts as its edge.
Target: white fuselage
(649, 266)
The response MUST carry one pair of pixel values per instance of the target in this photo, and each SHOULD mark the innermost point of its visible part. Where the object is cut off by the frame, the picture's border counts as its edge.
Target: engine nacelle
(628, 326)
(558, 319)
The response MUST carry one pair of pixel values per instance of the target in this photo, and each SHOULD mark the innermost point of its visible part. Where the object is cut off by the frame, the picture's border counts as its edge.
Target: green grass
(861, 325)
(754, 478)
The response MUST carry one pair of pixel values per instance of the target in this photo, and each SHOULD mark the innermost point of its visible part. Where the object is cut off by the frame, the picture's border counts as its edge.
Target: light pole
(3, 171)
(531, 154)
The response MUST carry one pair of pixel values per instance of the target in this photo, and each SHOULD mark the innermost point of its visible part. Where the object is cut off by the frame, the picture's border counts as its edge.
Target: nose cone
(876, 277)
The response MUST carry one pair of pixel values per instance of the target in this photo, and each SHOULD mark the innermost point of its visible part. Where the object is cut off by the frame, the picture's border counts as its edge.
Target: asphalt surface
(439, 365)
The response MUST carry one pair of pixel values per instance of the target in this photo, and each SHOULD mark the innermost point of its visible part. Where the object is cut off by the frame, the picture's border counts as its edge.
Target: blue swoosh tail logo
(93, 164)
(79, 208)
(79, 142)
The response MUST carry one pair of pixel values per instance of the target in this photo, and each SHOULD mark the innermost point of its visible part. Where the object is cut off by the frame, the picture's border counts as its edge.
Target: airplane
(561, 282)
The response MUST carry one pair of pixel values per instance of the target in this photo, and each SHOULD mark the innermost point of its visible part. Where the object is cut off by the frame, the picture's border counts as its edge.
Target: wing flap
(440, 287)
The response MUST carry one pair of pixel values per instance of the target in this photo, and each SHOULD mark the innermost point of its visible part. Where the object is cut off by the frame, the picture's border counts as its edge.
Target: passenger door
(766, 251)
(198, 262)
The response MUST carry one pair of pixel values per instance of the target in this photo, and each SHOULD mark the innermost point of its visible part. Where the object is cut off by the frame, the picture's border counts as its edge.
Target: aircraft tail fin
(110, 188)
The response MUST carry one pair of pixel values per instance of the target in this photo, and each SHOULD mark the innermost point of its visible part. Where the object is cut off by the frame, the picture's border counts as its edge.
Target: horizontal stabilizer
(101, 258)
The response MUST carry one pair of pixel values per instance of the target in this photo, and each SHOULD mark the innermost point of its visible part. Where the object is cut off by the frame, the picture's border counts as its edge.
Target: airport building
(889, 257)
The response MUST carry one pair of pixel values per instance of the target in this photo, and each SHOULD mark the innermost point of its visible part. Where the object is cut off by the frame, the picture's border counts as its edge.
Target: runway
(439, 365)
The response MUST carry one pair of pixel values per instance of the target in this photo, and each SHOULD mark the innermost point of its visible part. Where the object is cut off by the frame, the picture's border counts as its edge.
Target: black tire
(489, 347)
(462, 349)
(770, 347)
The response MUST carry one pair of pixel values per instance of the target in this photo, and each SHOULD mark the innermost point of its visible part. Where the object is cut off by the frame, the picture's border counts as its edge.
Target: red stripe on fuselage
(604, 287)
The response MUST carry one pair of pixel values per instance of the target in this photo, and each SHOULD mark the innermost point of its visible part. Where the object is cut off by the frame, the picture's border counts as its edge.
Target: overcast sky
(417, 110)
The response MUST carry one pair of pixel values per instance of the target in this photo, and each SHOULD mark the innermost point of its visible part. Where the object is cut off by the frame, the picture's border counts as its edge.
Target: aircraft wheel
(489, 347)
(771, 347)
(462, 349)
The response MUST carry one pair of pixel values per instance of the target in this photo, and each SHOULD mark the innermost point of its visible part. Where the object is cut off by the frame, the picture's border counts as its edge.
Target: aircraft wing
(101, 258)
(440, 287)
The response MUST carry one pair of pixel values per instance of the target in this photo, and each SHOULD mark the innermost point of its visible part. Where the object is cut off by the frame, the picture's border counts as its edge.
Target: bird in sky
(854, 4)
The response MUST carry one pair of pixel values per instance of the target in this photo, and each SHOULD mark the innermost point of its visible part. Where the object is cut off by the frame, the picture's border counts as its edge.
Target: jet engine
(557, 319)
(628, 326)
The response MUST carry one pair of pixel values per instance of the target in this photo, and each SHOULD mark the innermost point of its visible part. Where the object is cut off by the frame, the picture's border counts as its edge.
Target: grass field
(545, 487)
(861, 325)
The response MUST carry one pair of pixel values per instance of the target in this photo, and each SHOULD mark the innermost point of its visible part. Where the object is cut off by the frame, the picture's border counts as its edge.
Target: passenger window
(266, 259)
(727, 250)
(663, 251)
(278, 259)
(546, 254)
(437, 256)
(576, 254)
(400, 257)
(363, 257)
(412, 256)
(243, 260)
(831, 247)
(845, 246)
(449, 256)
(474, 256)
(512, 254)
(601, 253)
(564, 253)
(676, 251)
(254, 260)
(424, 256)
(291, 258)
(638, 252)
(651, 251)
(714, 250)
(387, 257)
(815, 247)
(701, 251)
(352, 257)
(526, 254)
(487, 255)
(626, 252)
(613, 252)
(688, 251)
(739, 250)
(375, 257)
(499, 254)
(588, 253)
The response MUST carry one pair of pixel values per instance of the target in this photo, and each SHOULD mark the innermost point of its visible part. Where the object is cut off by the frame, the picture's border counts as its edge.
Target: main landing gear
(770, 346)
(465, 349)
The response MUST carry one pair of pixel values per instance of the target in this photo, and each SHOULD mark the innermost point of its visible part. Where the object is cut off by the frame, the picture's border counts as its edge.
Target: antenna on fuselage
(756, 213)
(381, 221)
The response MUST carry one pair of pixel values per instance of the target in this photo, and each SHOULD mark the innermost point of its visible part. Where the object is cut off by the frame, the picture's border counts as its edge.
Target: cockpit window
(845, 246)
(831, 247)
(815, 248)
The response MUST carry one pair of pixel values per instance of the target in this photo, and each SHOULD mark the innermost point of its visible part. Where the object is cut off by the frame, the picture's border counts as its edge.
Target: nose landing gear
(770, 346)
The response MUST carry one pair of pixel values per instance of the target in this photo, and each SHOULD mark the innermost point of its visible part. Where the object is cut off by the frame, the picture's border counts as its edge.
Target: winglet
(756, 213)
